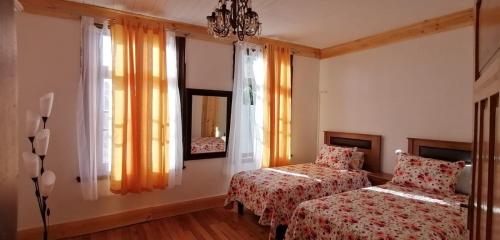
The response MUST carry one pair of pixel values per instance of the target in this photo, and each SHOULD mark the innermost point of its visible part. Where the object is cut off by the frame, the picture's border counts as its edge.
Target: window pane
(104, 168)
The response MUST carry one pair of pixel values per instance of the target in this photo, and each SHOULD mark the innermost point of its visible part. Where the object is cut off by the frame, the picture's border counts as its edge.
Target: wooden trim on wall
(470, 212)
(476, 40)
(9, 122)
(491, 163)
(479, 162)
(77, 228)
(430, 26)
(74, 10)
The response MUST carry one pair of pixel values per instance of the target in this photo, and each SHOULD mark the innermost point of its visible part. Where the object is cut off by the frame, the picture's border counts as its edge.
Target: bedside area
(379, 178)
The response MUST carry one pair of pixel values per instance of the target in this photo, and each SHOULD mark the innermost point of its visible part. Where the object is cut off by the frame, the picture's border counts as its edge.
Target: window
(252, 68)
(102, 109)
(249, 91)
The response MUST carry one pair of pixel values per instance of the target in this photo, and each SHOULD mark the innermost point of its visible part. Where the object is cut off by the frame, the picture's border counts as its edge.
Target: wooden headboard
(442, 150)
(369, 144)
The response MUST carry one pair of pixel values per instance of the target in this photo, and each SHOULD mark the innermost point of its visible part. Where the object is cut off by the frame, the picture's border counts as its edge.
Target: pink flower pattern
(274, 193)
(386, 212)
(208, 145)
(334, 157)
(427, 173)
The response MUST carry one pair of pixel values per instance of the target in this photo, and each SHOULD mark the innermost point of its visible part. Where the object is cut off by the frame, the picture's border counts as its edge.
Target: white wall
(209, 65)
(49, 60)
(417, 88)
(305, 109)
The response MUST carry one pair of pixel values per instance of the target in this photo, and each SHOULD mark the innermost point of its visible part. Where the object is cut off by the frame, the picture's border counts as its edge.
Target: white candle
(47, 182)
(42, 142)
(32, 123)
(31, 164)
(46, 104)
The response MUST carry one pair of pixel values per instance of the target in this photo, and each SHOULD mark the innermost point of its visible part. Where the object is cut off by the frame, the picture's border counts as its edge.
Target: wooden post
(8, 122)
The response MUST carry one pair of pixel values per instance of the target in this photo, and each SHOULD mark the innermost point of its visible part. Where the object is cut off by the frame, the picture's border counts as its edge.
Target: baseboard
(76, 228)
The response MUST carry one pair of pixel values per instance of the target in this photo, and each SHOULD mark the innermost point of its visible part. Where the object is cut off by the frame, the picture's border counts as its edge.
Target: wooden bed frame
(438, 149)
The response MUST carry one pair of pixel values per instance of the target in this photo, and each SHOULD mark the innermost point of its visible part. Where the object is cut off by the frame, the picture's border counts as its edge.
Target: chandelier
(239, 20)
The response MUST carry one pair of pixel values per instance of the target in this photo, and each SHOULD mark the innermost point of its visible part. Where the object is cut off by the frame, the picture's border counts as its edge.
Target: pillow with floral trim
(334, 157)
(426, 173)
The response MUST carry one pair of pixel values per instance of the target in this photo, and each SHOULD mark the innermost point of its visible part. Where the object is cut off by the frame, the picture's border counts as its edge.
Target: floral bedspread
(274, 193)
(208, 145)
(383, 212)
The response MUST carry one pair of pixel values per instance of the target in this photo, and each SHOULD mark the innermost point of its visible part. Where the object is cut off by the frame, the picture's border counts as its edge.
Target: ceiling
(315, 23)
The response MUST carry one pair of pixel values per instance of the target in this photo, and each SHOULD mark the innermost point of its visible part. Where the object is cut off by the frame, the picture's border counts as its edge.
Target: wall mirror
(207, 122)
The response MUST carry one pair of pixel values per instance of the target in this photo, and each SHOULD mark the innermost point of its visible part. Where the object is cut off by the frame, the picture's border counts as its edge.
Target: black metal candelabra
(41, 200)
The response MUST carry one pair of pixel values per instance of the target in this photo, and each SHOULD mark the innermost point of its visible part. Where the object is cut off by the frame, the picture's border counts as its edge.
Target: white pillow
(357, 160)
(464, 180)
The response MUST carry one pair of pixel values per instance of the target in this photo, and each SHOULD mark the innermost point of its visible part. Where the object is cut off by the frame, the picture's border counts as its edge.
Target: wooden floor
(217, 223)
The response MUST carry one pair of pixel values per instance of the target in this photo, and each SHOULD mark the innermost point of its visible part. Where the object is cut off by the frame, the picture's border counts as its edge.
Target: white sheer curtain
(91, 105)
(245, 147)
(174, 106)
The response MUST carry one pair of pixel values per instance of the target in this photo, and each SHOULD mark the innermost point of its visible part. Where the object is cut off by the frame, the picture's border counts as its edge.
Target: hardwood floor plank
(246, 221)
(151, 232)
(118, 233)
(218, 233)
(206, 220)
(228, 231)
(190, 236)
(174, 230)
(210, 224)
(196, 227)
(164, 232)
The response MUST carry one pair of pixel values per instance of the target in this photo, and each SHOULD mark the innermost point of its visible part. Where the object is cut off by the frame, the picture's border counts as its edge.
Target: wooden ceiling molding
(431, 26)
(74, 10)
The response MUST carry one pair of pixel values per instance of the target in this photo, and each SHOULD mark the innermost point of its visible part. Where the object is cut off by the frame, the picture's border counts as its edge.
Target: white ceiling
(315, 23)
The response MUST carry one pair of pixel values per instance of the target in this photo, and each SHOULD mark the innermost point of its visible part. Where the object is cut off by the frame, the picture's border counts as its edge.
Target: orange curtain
(209, 116)
(277, 123)
(140, 119)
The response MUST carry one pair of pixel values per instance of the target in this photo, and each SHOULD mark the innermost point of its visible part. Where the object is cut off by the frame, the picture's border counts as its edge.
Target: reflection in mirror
(208, 124)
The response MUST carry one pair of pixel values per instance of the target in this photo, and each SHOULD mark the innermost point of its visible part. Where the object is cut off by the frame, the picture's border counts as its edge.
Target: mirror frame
(190, 92)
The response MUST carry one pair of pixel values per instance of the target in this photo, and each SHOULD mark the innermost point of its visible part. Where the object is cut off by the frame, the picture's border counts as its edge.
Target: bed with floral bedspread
(383, 212)
(274, 193)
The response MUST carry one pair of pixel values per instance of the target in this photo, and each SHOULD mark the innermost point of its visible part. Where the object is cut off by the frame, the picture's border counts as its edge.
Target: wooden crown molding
(74, 10)
(77, 228)
(430, 26)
